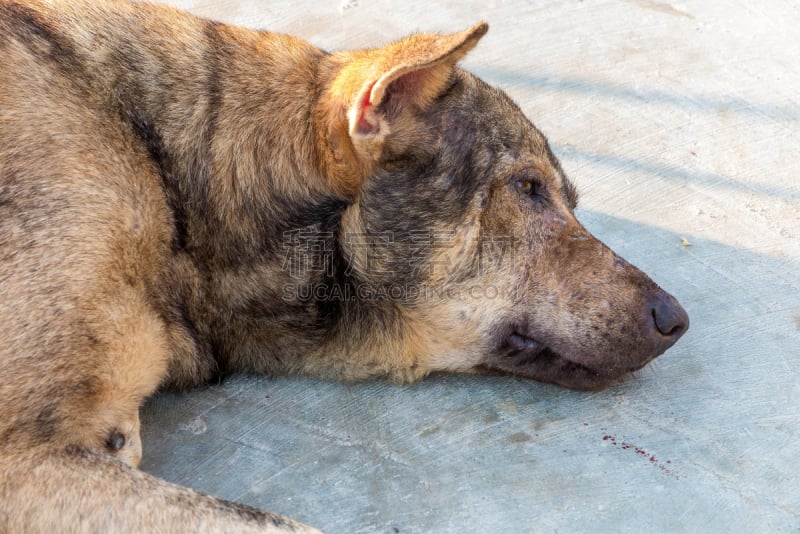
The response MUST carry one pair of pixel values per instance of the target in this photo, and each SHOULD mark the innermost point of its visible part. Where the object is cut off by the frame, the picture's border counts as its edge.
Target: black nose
(671, 320)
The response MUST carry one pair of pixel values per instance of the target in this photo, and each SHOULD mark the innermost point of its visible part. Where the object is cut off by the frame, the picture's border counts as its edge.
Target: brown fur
(159, 174)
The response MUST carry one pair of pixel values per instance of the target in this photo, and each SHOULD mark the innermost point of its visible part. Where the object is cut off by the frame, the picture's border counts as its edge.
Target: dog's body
(181, 199)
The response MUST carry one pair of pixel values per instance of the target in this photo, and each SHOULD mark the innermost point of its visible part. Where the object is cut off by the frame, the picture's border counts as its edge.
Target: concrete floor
(681, 125)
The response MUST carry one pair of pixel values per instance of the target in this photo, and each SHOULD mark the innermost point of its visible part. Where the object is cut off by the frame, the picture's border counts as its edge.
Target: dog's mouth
(524, 355)
(522, 350)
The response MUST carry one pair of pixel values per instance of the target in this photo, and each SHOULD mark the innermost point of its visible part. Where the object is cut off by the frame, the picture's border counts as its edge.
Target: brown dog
(181, 199)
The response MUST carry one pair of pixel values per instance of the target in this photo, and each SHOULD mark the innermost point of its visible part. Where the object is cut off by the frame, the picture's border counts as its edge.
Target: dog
(182, 199)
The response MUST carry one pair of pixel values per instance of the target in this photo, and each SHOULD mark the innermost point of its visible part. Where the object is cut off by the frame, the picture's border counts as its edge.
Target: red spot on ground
(651, 458)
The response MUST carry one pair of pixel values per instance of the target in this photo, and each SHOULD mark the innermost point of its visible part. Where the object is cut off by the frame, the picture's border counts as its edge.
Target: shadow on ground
(707, 435)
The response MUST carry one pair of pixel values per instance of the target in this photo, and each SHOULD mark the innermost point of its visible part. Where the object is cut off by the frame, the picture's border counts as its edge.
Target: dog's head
(465, 222)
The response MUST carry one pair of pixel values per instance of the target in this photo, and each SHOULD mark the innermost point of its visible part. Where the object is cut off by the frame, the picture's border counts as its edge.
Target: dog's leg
(60, 463)
(126, 361)
(79, 352)
(44, 490)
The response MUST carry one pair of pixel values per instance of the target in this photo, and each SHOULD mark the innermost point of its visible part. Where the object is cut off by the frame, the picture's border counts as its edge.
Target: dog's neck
(246, 219)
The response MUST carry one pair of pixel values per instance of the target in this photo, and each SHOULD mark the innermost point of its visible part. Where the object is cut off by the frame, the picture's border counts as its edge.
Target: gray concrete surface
(680, 122)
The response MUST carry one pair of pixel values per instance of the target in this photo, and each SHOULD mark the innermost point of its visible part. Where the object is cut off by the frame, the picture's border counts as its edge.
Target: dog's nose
(670, 319)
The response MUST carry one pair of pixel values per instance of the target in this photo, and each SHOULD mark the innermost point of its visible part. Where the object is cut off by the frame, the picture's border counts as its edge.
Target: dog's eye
(525, 187)
(529, 187)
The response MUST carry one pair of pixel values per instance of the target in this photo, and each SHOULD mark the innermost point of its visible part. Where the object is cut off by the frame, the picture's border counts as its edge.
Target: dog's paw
(124, 443)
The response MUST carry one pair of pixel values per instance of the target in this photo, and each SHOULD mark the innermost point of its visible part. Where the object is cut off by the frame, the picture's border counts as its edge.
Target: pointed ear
(416, 69)
(373, 87)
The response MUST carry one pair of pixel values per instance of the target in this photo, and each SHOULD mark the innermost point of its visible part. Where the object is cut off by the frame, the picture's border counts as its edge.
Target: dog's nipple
(115, 441)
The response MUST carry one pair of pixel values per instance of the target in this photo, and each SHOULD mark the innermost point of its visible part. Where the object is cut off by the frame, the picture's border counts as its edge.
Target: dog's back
(85, 231)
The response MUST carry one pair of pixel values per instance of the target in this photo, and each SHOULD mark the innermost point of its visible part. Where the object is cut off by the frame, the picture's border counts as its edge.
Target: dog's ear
(373, 87)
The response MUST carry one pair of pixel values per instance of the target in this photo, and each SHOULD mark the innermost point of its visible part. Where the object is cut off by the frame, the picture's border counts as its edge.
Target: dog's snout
(669, 317)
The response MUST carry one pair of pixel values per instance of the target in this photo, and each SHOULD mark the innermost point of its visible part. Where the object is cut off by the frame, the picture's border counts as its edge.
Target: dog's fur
(181, 199)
